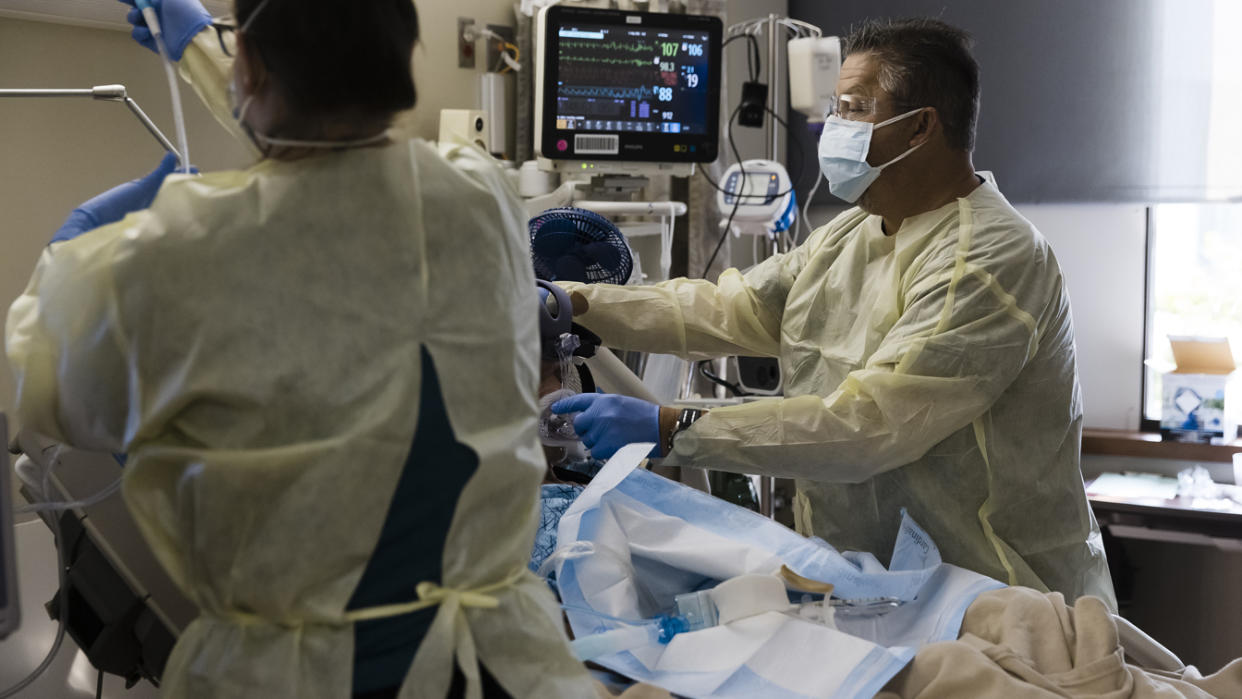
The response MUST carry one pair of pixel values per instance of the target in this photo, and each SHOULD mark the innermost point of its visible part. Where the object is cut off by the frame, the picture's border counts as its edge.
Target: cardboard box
(1194, 392)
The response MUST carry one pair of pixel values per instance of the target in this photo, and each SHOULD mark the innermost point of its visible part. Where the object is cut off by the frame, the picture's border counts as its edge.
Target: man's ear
(926, 123)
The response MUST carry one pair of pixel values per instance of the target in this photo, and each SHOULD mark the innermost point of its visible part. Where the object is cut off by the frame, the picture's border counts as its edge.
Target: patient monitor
(626, 92)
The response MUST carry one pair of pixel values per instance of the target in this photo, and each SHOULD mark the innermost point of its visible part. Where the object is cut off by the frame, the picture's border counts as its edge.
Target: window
(1194, 284)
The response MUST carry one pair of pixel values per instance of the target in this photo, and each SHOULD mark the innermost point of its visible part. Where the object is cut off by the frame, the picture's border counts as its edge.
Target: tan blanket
(1017, 643)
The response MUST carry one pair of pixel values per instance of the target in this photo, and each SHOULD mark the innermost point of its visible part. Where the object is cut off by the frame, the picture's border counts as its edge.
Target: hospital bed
(125, 613)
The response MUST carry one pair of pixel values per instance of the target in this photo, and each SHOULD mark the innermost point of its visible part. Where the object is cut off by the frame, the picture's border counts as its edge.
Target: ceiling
(106, 14)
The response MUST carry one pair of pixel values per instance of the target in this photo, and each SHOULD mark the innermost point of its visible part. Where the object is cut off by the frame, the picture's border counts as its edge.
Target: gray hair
(925, 63)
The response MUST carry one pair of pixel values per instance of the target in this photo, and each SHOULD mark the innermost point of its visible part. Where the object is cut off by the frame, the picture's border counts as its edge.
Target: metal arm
(146, 121)
(106, 93)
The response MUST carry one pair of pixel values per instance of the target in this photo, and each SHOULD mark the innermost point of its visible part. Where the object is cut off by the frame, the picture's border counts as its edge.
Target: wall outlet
(465, 47)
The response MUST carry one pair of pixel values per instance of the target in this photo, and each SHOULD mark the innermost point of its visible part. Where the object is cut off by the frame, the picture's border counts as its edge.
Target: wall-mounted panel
(1101, 101)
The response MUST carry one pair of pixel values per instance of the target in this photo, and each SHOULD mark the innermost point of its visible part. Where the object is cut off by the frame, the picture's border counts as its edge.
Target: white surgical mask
(843, 148)
(265, 142)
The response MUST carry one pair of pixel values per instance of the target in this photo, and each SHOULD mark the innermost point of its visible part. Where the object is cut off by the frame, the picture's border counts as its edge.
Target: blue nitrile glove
(114, 204)
(181, 20)
(608, 421)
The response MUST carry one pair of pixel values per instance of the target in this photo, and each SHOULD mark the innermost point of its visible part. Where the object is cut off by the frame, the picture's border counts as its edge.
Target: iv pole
(106, 93)
(776, 27)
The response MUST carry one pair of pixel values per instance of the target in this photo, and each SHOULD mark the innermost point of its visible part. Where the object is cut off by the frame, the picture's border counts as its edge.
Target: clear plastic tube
(615, 641)
(38, 481)
(62, 594)
(51, 506)
(60, 623)
(174, 90)
(806, 209)
(178, 115)
(628, 636)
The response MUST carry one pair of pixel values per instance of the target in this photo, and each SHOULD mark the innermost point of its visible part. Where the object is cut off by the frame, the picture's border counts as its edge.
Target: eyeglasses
(853, 107)
(858, 107)
(226, 34)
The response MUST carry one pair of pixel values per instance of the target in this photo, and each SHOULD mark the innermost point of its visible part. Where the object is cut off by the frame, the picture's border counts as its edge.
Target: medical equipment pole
(767, 484)
(775, 26)
(767, 494)
(106, 93)
(774, 77)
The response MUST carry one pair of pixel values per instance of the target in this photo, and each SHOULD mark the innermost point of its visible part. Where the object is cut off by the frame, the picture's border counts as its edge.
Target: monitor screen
(757, 184)
(629, 86)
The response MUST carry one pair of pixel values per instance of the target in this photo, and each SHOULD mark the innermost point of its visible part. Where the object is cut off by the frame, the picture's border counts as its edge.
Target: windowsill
(1148, 445)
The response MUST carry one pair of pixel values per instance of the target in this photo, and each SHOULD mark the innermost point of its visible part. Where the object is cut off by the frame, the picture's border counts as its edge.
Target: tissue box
(1193, 393)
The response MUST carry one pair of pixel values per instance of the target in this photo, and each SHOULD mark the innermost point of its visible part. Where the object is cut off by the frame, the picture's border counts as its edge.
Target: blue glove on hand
(609, 421)
(114, 204)
(180, 20)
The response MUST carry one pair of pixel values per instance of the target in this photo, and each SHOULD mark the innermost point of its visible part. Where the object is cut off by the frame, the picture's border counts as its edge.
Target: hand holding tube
(608, 421)
(180, 21)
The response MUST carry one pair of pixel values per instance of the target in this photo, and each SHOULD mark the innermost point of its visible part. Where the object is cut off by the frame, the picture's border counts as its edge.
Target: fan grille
(611, 265)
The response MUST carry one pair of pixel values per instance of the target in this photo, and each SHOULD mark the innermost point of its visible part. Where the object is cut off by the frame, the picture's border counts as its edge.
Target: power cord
(737, 201)
(752, 56)
(800, 170)
(503, 46)
(733, 388)
(752, 66)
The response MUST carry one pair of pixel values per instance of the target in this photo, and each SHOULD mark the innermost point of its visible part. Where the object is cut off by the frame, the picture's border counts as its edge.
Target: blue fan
(576, 245)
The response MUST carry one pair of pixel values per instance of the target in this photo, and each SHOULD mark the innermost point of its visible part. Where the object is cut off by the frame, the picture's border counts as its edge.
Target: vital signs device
(767, 201)
(626, 92)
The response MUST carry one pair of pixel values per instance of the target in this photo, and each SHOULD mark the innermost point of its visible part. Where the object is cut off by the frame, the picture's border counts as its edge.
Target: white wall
(54, 154)
(440, 83)
(1102, 251)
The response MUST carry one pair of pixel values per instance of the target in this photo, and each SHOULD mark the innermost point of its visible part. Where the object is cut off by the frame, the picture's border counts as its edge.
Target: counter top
(1149, 445)
(1145, 513)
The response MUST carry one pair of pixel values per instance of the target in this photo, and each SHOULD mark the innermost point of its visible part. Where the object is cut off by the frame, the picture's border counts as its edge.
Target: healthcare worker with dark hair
(323, 370)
